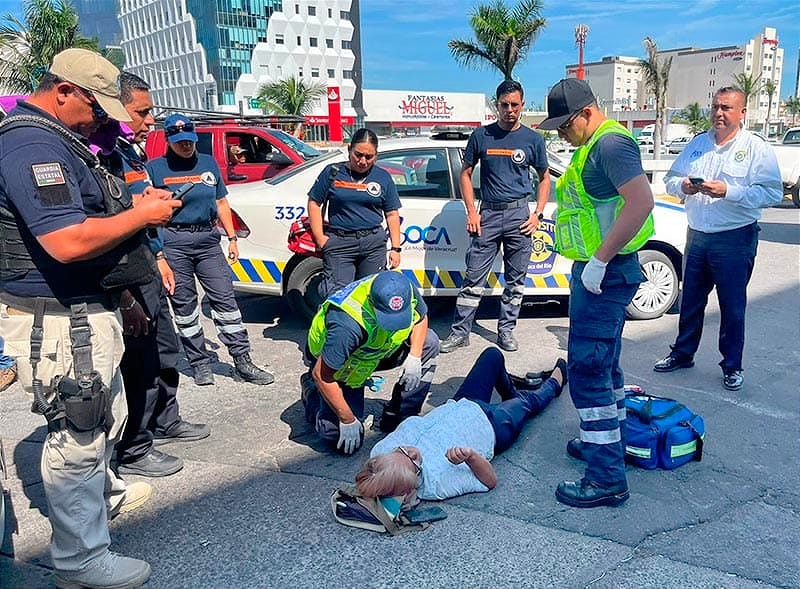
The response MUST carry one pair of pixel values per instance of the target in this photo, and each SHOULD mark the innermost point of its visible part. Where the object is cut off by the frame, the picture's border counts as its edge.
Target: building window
(329, 43)
(312, 11)
(300, 71)
(331, 73)
(347, 45)
(279, 39)
(297, 9)
(330, 13)
(344, 15)
(299, 40)
(315, 72)
(312, 42)
(347, 75)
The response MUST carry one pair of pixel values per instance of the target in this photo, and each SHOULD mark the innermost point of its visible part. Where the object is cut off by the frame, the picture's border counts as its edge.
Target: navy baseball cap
(390, 296)
(179, 128)
(565, 99)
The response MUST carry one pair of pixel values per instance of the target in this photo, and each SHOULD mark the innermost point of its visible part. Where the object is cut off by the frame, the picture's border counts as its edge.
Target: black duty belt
(501, 206)
(94, 304)
(193, 227)
(354, 233)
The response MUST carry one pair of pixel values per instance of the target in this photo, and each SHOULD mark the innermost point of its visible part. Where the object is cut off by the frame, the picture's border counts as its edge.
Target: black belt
(354, 233)
(193, 227)
(94, 304)
(501, 206)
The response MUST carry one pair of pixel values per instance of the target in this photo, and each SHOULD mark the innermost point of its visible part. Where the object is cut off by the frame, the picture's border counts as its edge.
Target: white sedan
(435, 241)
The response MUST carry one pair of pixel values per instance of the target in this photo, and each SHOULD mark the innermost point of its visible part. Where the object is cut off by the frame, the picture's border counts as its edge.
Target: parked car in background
(434, 239)
(267, 151)
(677, 144)
(788, 154)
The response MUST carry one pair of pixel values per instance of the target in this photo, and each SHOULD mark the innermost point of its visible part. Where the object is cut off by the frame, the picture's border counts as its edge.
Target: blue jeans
(723, 260)
(508, 416)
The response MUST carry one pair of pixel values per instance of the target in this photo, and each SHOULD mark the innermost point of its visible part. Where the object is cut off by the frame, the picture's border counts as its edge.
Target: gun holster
(84, 401)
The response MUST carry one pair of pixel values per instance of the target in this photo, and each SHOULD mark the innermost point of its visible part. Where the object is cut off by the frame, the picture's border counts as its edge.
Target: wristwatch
(232, 238)
(540, 216)
(396, 249)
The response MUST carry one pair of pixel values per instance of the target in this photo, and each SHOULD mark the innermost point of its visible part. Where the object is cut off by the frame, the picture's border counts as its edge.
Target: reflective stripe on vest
(582, 221)
(380, 344)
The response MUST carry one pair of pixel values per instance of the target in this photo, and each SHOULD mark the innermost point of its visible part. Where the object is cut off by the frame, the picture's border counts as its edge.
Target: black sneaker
(733, 380)
(183, 431)
(453, 342)
(586, 493)
(153, 464)
(670, 363)
(249, 372)
(202, 375)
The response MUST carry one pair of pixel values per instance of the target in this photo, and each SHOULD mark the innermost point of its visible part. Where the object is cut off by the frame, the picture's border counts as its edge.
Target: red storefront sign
(334, 114)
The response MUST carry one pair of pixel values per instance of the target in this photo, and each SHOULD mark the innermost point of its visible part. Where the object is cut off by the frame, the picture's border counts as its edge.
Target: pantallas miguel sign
(425, 107)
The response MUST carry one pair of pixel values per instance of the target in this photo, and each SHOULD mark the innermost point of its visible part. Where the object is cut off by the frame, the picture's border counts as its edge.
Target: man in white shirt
(725, 176)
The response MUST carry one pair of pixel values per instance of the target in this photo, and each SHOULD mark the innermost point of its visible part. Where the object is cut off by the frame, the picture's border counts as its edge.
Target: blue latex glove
(592, 275)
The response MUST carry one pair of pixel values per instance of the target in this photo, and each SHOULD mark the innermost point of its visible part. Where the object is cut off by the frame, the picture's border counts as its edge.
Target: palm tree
(749, 85)
(290, 96)
(503, 35)
(27, 46)
(769, 87)
(792, 106)
(694, 116)
(656, 79)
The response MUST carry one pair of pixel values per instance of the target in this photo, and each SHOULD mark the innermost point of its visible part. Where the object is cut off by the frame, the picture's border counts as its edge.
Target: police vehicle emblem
(208, 178)
(48, 174)
(396, 303)
(739, 155)
(374, 189)
(518, 156)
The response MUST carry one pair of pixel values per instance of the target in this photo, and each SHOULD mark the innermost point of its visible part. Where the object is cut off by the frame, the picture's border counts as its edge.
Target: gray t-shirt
(456, 423)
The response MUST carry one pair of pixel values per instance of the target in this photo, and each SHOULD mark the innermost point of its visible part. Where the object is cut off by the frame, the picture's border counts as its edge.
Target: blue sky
(404, 43)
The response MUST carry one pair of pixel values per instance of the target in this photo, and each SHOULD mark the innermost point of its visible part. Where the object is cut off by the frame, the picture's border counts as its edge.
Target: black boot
(586, 493)
(249, 372)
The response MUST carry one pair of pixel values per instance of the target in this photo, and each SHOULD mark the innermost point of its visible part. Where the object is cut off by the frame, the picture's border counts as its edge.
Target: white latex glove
(350, 436)
(593, 274)
(412, 373)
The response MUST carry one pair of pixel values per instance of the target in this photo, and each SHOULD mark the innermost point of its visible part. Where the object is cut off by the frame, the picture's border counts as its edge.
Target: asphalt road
(251, 507)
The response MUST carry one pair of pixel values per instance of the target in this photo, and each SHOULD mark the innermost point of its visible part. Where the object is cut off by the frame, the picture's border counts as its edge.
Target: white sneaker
(110, 571)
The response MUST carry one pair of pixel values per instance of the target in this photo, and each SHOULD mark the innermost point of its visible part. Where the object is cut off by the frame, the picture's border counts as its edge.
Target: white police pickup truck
(426, 172)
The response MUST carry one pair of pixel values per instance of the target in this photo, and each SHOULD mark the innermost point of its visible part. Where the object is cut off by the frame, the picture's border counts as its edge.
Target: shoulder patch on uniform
(739, 155)
(208, 178)
(374, 189)
(49, 174)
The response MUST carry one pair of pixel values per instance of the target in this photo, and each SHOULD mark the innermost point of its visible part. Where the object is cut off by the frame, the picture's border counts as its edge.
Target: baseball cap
(390, 296)
(565, 99)
(179, 128)
(93, 72)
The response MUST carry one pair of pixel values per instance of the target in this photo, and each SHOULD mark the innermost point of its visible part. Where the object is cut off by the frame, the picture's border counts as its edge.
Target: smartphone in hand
(696, 180)
(182, 190)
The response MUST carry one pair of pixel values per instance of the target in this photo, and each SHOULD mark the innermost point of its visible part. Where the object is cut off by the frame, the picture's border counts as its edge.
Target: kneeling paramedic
(70, 242)
(377, 323)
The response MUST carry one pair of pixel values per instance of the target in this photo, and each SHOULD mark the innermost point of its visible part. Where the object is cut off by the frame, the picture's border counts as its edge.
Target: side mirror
(279, 159)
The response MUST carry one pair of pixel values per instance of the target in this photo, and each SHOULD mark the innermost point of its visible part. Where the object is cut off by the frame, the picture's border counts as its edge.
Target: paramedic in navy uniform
(192, 248)
(359, 196)
(506, 150)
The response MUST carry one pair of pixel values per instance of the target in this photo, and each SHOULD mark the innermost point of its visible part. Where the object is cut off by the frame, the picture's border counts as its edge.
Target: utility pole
(581, 31)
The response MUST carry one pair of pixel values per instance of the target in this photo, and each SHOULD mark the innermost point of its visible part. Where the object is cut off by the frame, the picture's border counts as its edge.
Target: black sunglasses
(175, 129)
(566, 124)
(98, 113)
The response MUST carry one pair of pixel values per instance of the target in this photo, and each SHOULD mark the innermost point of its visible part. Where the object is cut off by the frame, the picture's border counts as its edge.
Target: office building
(98, 19)
(216, 55)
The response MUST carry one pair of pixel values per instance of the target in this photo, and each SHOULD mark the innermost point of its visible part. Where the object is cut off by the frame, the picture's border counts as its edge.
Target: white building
(216, 55)
(694, 77)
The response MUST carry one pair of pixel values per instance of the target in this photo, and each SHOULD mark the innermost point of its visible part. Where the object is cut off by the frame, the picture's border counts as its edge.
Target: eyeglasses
(568, 123)
(175, 129)
(405, 453)
(97, 111)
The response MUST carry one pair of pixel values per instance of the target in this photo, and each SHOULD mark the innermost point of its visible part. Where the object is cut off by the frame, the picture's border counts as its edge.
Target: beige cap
(91, 71)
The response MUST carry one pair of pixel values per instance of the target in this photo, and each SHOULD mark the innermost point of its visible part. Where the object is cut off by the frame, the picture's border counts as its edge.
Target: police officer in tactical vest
(70, 241)
(377, 323)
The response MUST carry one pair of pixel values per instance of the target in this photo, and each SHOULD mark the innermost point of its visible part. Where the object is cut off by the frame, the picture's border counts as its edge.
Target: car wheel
(302, 288)
(796, 193)
(658, 292)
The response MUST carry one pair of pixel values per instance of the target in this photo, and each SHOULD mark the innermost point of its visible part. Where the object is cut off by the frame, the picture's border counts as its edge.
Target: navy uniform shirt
(506, 158)
(49, 188)
(344, 336)
(614, 160)
(200, 203)
(355, 202)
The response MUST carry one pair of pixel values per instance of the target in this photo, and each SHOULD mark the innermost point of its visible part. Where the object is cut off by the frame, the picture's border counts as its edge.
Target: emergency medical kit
(660, 432)
(300, 239)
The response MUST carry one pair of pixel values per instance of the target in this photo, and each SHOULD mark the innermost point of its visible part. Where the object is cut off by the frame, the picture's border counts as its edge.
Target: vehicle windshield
(301, 147)
(792, 136)
(293, 170)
